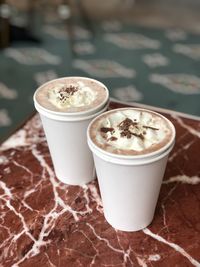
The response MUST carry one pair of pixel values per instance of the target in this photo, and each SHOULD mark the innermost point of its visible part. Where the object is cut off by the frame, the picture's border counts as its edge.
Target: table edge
(158, 109)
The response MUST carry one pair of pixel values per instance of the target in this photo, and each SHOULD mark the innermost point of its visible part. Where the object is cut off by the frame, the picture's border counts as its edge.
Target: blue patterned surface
(150, 66)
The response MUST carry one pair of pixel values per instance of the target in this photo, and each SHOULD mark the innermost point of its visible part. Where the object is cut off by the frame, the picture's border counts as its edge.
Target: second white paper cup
(129, 185)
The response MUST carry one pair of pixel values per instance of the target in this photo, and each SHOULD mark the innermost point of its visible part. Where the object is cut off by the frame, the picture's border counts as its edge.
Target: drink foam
(71, 94)
(130, 131)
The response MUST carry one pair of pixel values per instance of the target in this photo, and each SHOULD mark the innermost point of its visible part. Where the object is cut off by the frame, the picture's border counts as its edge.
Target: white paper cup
(130, 185)
(67, 141)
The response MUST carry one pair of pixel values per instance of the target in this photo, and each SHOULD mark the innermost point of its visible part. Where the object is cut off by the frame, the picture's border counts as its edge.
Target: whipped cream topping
(131, 131)
(71, 95)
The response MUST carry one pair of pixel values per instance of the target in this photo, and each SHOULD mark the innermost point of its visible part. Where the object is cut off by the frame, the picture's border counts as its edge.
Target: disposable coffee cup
(66, 131)
(129, 184)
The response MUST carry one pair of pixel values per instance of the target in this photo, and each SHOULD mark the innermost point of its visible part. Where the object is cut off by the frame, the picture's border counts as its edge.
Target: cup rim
(72, 118)
(132, 161)
(78, 113)
(132, 157)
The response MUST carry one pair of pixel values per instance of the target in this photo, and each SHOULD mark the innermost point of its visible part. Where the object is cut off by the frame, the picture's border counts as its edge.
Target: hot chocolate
(66, 107)
(130, 147)
(71, 94)
(131, 131)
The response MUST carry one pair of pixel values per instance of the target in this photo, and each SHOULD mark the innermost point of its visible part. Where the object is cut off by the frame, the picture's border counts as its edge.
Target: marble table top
(46, 223)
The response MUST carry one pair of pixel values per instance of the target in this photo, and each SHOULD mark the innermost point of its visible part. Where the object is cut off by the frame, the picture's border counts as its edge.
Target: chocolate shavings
(125, 131)
(106, 129)
(125, 125)
(112, 138)
(149, 127)
(65, 92)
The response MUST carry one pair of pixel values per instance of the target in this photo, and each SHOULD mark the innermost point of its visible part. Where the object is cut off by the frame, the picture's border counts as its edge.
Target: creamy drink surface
(71, 94)
(130, 131)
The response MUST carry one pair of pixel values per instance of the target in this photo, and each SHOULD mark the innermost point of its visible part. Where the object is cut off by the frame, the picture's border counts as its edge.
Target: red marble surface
(46, 223)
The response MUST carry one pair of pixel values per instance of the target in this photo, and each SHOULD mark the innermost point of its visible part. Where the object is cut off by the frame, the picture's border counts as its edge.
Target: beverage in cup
(66, 107)
(130, 148)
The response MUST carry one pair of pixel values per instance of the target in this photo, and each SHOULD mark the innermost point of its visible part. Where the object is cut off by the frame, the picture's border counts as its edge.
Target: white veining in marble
(17, 140)
(180, 150)
(184, 179)
(155, 257)
(3, 160)
(173, 246)
(7, 191)
(141, 262)
(126, 254)
(96, 197)
(190, 129)
(51, 216)
(27, 141)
